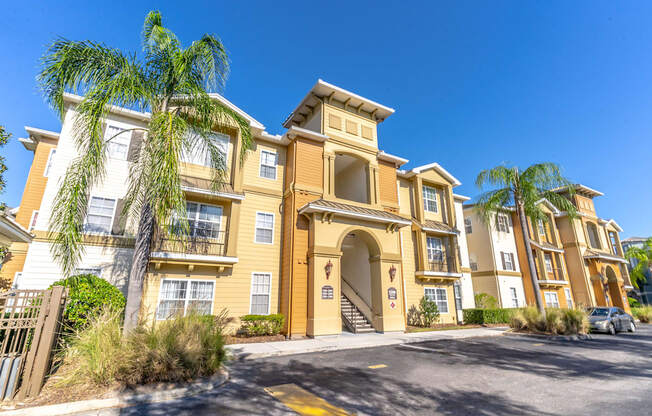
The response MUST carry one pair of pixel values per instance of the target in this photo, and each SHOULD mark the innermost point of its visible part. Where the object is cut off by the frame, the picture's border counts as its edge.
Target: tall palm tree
(643, 267)
(524, 190)
(170, 82)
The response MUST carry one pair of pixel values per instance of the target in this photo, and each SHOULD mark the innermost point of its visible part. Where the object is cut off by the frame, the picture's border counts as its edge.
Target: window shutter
(135, 145)
(502, 257)
(511, 257)
(119, 221)
(508, 222)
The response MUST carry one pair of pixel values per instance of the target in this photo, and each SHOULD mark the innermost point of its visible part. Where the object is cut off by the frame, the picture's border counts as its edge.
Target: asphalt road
(507, 375)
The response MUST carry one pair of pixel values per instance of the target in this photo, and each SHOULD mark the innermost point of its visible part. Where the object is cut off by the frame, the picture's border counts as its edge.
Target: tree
(524, 190)
(170, 82)
(4, 138)
(643, 267)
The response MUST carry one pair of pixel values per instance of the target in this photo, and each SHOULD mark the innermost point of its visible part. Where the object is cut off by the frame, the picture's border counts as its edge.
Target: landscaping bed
(234, 339)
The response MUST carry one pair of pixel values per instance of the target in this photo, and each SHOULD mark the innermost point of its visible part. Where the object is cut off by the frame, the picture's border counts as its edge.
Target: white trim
(49, 163)
(269, 295)
(606, 257)
(436, 166)
(434, 230)
(546, 248)
(579, 186)
(553, 282)
(551, 293)
(273, 138)
(165, 255)
(115, 205)
(185, 304)
(435, 200)
(436, 288)
(226, 195)
(461, 197)
(612, 222)
(570, 302)
(256, 226)
(398, 161)
(353, 214)
(30, 225)
(252, 121)
(74, 98)
(299, 131)
(428, 273)
(260, 163)
(15, 231)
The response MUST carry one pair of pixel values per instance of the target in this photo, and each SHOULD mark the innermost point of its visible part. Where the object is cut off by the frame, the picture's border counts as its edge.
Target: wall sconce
(392, 273)
(328, 268)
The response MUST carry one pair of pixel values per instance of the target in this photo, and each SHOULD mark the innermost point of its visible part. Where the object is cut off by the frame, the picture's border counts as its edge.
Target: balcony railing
(201, 243)
(446, 265)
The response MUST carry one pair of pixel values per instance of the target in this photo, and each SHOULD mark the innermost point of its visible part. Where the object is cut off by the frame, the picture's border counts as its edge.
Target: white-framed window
(429, 198)
(32, 221)
(97, 271)
(204, 220)
(118, 142)
(435, 251)
(50, 162)
(502, 223)
(474, 266)
(99, 218)
(508, 261)
(468, 225)
(552, 301)
(541, 227)
(547, 258)
(569, 298)
(457, 291)
(439, 296)
(264, 228)
(199, 155)
(179, 297)
(514, 295)
(261, 291)
(267, 164)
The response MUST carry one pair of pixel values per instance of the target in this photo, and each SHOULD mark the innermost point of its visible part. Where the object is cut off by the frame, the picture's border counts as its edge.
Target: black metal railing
(446, 265)
(202, 243)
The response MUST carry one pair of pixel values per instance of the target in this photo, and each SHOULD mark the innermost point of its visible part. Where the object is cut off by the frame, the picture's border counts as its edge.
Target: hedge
(257, 325)
(488, 316)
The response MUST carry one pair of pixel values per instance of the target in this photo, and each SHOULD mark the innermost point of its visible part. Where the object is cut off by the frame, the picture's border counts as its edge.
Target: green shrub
(643, 313)
(633, 303)
(179, 349)
(259, 325)
(485, 301)
(487, 316)
(556, 321)
(428, 312)
(88, 294)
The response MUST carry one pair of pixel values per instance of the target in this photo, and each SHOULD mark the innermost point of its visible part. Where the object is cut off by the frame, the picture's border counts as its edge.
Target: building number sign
(327, 292)
(391, 293)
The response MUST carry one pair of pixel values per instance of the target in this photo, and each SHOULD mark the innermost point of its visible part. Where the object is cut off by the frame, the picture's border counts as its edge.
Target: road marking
(377, 366)
(414, 347)
(537, 344)
(303, 402)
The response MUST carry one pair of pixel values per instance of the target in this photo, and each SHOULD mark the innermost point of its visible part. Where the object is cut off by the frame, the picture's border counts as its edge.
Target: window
(540, 226)
(48, 164)
(177, 299)
(569, 298)
(429, 199)
(264, 228)
(203, 220)
(117, 142)
(261, 286)
(474, 266)
(548, 260)
(457, 290)
(199, 155)
(512, 292)
(592, 231)
(100, 215)
(468, 225)
(435, 252)
(437, 295)
(502, 223)
(508, 261)
(32, 221)
(97, 271)
(551, 299)
(614, 242)
(267, 164)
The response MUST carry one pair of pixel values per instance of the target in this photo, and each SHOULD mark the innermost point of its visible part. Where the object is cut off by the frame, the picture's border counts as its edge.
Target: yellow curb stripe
(303, 402)
(537, 345)
(377, 366)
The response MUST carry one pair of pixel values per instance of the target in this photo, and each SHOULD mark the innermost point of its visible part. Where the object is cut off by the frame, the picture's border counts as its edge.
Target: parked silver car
(611, 320)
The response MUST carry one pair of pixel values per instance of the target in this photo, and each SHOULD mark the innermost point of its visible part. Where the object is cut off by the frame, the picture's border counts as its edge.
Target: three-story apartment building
(317, 224)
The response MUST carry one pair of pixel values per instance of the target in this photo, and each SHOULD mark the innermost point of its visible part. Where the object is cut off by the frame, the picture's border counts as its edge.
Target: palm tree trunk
(142, 248)
(530, 258)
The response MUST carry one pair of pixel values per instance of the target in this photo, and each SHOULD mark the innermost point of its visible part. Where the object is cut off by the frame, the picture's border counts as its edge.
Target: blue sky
(474, 84)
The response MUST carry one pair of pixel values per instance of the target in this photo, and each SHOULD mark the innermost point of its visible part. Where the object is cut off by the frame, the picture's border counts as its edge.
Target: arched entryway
(360, 272)
(614, 289)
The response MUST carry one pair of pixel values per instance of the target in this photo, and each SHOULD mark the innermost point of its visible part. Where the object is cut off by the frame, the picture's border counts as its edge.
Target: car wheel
(612, 329)
(632, 327)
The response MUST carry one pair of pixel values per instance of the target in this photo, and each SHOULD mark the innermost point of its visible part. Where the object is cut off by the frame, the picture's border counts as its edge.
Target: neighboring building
(645, 291)
(12, 234)
(549, 259)
(594, 255)
(316, 224)
(493, 255)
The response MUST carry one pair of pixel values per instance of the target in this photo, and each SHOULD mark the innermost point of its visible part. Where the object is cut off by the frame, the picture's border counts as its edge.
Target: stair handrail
(356, 292)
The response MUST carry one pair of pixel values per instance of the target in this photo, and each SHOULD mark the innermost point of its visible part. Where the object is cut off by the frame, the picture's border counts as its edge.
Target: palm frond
(492, 202)
(499, 176)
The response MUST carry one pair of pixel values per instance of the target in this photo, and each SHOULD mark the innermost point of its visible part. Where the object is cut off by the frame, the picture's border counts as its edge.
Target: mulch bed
(442, 327)
(230, 339)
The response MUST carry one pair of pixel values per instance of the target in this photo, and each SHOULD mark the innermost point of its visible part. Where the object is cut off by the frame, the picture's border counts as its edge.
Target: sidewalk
(352, 341)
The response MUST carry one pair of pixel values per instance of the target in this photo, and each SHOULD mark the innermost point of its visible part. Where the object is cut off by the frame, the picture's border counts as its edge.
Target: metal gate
(29, 326)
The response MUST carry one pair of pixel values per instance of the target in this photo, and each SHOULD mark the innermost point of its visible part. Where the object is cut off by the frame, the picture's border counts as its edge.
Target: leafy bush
(259, 325)
(88, 294)
(485, 301)
(633, 303)
(487, 316)
(178, 349)
(556, 321)
(428, 312)
(643, 313)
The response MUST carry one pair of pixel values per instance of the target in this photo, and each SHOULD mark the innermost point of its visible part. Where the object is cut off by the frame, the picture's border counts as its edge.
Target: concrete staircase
(353, 319)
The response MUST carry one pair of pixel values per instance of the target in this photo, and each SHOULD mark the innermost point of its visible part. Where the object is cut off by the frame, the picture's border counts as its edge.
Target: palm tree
(170, 82)
(524, 190)
(643, 266)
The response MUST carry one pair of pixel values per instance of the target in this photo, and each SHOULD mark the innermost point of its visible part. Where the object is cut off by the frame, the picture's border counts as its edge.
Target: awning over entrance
(546, 246)
(436, 227)
(592, 254)
(352, 211)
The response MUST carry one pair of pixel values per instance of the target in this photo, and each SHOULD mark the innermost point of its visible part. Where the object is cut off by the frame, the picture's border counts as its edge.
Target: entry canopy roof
(592, 254)
(352, 211)
(580, 189)
(323, 89)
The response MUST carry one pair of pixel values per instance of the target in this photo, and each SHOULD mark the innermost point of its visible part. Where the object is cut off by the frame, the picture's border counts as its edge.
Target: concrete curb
(123, 400)
(580, 337)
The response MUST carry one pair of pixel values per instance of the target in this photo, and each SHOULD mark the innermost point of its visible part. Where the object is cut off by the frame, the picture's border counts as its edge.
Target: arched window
(594, 239)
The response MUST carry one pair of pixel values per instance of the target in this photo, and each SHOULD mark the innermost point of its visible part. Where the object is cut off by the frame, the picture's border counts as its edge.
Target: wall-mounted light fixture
(392, 273)
(328, 268)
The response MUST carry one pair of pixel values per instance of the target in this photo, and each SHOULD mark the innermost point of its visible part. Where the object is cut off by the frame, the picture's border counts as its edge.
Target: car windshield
(599, 312)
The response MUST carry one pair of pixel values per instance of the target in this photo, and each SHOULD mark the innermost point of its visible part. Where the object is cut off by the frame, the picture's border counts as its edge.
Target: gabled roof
(436, 227)
(323, 89)
(11, 231)
(35, 135)
(434, 166)
(398, 161)
(612, 222)
(550, 205)
(580, 189)
(459, 197)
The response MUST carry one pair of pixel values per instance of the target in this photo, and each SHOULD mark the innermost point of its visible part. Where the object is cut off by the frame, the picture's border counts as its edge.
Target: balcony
(201, 247)
(554, 278)
(444, 268)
